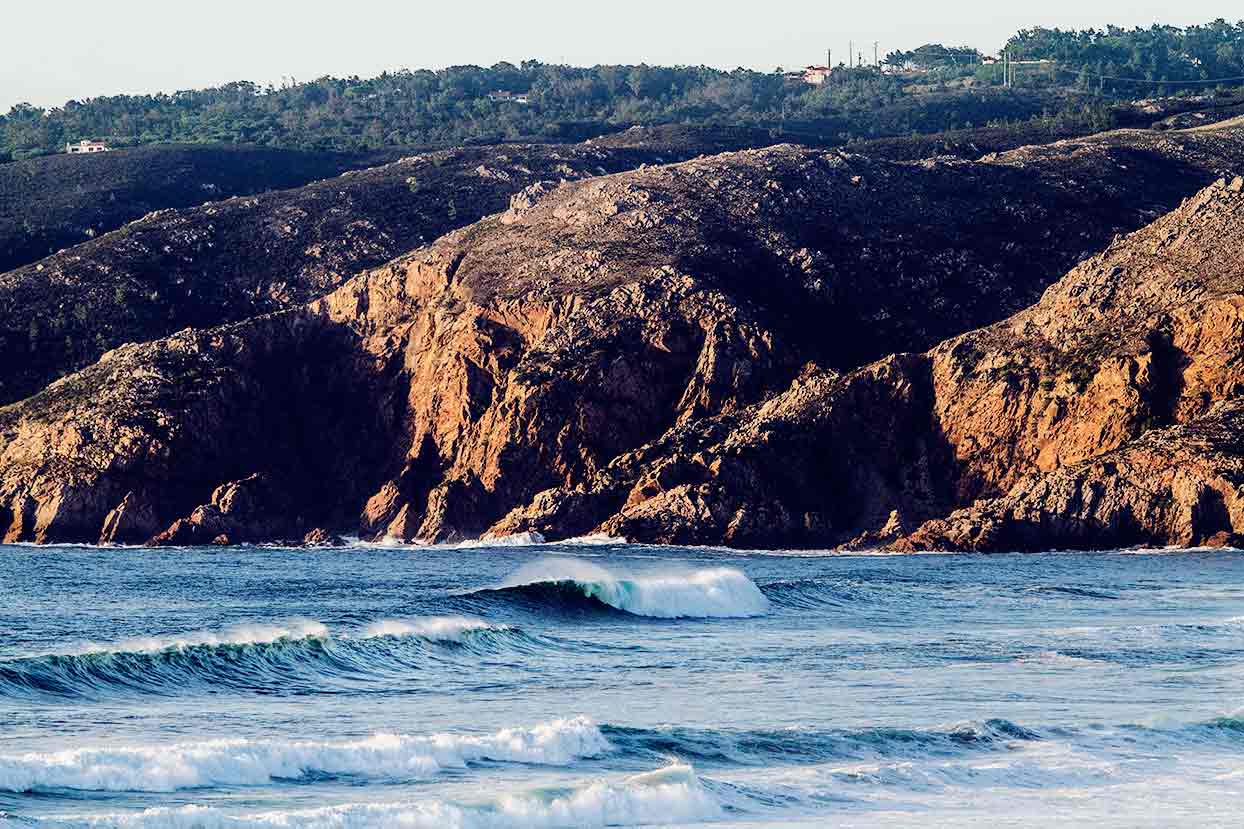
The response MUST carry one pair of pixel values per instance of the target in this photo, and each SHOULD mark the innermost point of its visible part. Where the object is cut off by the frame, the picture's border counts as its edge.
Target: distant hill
(51, 203)
(467, 104)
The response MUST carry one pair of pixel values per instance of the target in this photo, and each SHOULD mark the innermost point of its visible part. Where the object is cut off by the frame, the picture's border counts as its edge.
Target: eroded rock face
(1106, 415)
(1181, 486)
(132, 521)
(671, 355)
(118, 452)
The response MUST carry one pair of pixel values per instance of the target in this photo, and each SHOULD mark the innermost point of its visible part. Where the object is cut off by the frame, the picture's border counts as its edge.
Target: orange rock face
(1105, 415)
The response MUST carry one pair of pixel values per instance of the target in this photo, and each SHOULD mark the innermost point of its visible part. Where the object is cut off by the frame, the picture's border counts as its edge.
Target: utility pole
(850, 54)
(876, 57)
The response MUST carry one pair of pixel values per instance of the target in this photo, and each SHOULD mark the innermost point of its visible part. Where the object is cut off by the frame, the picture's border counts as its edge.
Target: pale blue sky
(55, 51)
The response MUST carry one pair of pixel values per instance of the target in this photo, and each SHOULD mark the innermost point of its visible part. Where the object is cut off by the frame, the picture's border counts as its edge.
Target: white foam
(671, 795)
(248, 634)
(435, 628)
(515, 540)
(593, 540)
(163, 768)
(720, 592)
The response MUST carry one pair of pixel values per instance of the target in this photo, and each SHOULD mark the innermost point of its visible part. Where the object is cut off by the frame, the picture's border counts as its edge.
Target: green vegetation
(930, 89)
(934, 56)
(565, 103)
(1137, 62)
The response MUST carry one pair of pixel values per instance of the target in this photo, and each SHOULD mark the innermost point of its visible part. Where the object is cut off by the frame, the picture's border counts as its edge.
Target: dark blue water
(610, 685)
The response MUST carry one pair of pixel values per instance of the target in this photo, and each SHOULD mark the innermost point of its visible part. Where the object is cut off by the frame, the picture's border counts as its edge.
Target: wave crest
(434, 628)
(253, 657)
(720, 592)
(259, 762)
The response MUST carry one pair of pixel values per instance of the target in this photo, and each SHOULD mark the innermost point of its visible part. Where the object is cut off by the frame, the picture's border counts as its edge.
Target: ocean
(598, 684)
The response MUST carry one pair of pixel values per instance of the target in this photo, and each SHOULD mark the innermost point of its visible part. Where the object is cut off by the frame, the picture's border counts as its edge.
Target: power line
(1086, 73)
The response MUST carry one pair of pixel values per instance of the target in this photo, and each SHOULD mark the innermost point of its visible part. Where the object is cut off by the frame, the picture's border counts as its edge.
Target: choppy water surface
(607, 685)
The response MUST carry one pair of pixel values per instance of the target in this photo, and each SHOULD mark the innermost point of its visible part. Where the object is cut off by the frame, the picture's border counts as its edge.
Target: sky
(75, 49)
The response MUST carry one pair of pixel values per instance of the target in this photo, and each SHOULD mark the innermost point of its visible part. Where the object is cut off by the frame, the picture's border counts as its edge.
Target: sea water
(612, 685)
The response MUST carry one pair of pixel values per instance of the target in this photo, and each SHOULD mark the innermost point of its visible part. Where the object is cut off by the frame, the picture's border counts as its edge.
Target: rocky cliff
(671, 354)
(1106, 415)
(1109, 412)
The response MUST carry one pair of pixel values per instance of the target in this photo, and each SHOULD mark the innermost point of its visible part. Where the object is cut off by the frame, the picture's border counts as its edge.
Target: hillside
(234, 258)
(54, 202)
(198, 267)
(1157, 114)
(669, 352)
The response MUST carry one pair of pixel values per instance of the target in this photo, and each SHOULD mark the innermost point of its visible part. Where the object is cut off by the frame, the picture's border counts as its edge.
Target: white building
(510, 97)
(85, 146)
(814, 75)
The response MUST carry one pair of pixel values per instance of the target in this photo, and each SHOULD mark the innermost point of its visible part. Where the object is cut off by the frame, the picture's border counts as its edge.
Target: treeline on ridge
(537, 100)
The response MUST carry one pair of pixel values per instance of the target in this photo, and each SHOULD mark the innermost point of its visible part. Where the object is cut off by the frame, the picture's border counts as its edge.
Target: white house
(815, 75)
(85, 146)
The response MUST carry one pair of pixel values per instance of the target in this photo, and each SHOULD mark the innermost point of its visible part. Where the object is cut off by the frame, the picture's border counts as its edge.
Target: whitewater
(525, 684)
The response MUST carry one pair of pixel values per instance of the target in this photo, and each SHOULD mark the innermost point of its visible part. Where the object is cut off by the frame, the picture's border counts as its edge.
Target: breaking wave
(169, 768)
(670, 795)
(572, 584)
(298, 656)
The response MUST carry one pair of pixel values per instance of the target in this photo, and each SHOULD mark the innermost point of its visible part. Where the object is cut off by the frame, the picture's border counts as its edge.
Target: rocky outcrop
(249, 510)
(149, 433)
(132, 521)
(320, 537)
(673, 354)
(823, 462)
